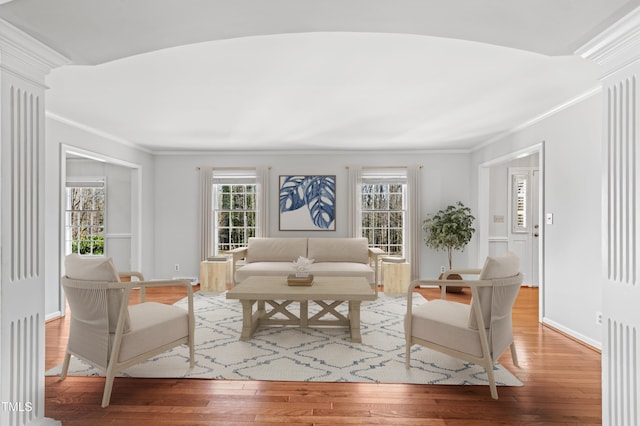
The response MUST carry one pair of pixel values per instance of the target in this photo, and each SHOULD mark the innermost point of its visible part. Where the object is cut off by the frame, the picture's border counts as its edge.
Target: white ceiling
(312, 75)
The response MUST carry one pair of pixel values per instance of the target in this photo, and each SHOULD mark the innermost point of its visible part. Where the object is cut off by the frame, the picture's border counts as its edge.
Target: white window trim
(86, 182)
(413, 218)
(514, 214)
(206, 179)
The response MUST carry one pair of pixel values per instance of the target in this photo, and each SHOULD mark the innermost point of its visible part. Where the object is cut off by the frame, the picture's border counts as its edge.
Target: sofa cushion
(270, 269)
(81, 268)
(338, 250)
(320, 269)
(342, 269)
(276, 249)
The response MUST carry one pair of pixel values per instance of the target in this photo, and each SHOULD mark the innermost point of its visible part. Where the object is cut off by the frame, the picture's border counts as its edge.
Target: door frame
(485, 213)
(136, 207)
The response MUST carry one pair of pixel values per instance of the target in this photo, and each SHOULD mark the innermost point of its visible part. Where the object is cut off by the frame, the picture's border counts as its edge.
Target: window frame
(216, 210)
(93, 183)
(519, 200)
(381, 185)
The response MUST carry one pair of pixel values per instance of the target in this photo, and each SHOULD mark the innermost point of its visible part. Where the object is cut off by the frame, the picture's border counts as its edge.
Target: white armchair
(478, 332)
(109, 333)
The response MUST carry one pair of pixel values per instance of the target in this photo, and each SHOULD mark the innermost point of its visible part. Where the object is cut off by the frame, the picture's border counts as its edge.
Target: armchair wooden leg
(492, 381)
(65, 366)
(191, 353)
(407, 355)
(514, 355)
(108, 386)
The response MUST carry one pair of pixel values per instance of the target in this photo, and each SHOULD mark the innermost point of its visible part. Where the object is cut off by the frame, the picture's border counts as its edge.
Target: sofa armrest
(375, 255)
(237, 255)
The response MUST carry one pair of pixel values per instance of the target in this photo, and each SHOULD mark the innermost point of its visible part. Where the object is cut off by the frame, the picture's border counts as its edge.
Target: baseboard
(53, 316)
(573, 335)
(193, 280)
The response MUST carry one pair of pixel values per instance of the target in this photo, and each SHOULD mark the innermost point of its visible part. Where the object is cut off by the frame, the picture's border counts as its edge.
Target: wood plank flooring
(562, 385)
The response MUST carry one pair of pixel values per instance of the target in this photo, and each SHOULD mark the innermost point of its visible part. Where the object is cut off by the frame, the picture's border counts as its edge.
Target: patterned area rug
(312, 354)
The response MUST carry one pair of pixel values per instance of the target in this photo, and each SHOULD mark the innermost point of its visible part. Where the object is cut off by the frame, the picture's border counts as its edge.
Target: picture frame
(307, 202)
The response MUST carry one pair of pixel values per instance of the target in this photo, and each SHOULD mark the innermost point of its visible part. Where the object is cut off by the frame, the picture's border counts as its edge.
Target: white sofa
(344, 257)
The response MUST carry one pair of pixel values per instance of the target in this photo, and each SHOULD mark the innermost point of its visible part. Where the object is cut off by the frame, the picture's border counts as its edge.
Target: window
(85, 217)
(383, 211)
(234, 215)
(233, 209)
(519, 200)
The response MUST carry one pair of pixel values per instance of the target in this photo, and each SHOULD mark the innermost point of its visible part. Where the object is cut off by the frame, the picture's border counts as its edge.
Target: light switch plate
(549, 218)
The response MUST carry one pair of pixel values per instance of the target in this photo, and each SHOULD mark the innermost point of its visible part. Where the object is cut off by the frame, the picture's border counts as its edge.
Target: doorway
(123, 223)
(510, 205)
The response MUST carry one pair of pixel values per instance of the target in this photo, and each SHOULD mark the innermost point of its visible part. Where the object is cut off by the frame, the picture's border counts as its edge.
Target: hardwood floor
(562, 385)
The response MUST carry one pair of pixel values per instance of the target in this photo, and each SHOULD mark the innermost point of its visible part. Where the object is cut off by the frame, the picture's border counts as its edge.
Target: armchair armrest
(132, 274)
(472, 271)
(445, 276)
(444, 283)
(129, 285)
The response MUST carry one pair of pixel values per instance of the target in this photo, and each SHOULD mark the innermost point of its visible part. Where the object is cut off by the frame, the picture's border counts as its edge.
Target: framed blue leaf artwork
(307, 203)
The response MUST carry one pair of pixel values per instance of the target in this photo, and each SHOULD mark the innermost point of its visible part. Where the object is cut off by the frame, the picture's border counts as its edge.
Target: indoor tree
(449, 229)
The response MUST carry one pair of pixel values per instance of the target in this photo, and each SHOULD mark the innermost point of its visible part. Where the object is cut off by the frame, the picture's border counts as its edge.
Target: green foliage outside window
(94, 246)
(85, 217)
(235, 216)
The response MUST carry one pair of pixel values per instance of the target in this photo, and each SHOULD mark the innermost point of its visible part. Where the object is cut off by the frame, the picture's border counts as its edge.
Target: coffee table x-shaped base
(251, 320)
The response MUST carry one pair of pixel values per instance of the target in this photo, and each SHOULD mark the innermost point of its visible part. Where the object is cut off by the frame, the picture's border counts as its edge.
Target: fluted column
(24, 64)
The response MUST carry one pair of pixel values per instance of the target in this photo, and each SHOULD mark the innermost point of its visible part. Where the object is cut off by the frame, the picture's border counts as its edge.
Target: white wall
(445, 180)
(57, 135)
(573, 280)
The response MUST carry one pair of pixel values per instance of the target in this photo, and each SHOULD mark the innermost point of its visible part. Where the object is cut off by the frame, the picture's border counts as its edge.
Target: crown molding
(553, 111)
(298, 152)
(25, 56)
(94, 131)
(617, 46)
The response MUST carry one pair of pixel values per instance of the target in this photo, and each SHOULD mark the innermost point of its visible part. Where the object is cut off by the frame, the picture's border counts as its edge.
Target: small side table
(215, 275)
(396, 275)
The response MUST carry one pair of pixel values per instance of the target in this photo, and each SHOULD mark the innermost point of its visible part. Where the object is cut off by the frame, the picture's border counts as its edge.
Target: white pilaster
(24, 63)
(617, 50)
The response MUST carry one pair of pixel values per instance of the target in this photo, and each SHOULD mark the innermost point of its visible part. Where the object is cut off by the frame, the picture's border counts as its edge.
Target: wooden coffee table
(326, 292)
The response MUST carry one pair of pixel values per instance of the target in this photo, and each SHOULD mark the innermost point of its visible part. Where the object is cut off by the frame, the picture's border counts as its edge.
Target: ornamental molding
(617, 46)
(25, 56)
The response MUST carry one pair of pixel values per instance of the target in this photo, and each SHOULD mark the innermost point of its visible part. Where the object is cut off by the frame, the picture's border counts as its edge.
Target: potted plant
(449, 229)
